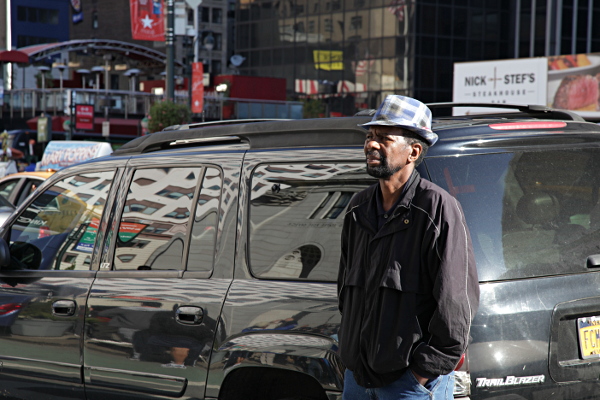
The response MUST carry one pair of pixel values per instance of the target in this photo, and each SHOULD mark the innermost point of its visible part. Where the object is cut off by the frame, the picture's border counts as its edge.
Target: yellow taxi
(16, 187)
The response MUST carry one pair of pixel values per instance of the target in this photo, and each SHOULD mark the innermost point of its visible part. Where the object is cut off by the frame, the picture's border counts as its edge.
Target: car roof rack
(221, 122)
(268, 134)
(533, 111)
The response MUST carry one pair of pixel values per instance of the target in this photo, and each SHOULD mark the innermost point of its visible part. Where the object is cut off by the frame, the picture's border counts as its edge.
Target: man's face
(387, 151)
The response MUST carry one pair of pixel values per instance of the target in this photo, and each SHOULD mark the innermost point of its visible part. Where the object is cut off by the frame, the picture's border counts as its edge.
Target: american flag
(397, 7)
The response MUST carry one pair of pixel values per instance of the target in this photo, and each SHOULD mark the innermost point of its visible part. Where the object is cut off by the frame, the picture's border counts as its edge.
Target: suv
(200, 262)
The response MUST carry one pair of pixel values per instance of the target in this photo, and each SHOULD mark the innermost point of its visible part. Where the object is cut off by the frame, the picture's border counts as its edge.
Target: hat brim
(423, 132)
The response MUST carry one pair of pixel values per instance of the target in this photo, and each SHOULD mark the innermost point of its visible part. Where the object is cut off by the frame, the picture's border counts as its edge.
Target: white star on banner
(147, 21)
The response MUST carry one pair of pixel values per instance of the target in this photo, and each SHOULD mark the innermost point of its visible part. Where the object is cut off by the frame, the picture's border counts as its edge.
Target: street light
(209, 44)
(131, 74)
(98, 69)
(60, 67)
(43, 69)
(84, 73)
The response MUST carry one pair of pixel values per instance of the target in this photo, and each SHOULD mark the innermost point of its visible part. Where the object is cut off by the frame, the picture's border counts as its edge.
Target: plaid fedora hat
(405, 112)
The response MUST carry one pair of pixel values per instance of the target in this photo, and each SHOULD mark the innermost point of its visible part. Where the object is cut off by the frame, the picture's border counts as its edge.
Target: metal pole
(170, 51)
(588, 45)
(532, 29)
(69, 134)
(574, 27)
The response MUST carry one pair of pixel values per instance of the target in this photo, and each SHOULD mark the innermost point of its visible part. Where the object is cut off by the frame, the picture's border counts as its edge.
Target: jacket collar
(366, 212)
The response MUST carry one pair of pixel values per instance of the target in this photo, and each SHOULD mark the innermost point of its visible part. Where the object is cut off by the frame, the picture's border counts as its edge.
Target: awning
(14, 56)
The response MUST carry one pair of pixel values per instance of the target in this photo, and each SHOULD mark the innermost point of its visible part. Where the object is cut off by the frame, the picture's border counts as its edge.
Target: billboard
(570, 82)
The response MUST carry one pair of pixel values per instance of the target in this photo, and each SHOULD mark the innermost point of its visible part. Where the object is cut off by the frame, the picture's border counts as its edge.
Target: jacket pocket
(394, 329)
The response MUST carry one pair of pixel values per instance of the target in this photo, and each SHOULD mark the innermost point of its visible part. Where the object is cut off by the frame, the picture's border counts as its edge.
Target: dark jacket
(408, 292)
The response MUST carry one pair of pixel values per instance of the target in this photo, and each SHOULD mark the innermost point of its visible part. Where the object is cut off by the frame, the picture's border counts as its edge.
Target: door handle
(64, 308)
(188, 315)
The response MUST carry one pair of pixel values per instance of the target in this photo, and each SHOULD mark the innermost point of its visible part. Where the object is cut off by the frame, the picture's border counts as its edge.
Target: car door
(153, 311)
(44, 289)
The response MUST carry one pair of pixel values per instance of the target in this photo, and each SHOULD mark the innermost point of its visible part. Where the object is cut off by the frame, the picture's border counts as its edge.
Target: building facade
(351, 53)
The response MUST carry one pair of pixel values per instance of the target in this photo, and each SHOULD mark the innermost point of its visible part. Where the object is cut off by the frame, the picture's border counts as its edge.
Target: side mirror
(4, 254)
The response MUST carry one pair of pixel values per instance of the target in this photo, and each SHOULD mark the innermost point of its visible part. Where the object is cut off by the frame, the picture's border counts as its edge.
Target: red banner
(84, 117)
(197, 87)
(147, 20)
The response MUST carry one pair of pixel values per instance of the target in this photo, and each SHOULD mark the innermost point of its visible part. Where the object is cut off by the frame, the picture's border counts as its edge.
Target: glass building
(349, 54)
(354, 50)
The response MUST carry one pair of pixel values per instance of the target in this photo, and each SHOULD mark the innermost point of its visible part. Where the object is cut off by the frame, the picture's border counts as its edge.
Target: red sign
(197, 87)
(84, 117)
(147, 20)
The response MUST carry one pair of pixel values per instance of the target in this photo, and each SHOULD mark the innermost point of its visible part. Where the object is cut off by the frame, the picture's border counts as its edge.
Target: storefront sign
(84, 117)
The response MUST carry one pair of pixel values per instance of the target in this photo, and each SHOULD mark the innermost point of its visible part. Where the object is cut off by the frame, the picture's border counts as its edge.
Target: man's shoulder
(431, 194)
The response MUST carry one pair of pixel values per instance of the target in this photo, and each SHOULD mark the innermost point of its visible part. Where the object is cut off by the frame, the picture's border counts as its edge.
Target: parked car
(200, 262)
(16, 187)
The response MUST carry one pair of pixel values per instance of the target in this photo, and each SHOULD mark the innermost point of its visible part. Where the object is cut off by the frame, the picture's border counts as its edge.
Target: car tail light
(44, 232)
(9, 308)
(462, 378)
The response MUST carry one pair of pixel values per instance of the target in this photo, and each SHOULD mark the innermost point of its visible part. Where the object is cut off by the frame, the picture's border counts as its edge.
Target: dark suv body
(201, 262)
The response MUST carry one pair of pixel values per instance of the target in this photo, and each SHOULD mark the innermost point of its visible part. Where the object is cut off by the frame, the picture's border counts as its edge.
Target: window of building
(217, 15)
(356, 22)
(328, 25)
(37, 15)
(296, 217)
(204, 14)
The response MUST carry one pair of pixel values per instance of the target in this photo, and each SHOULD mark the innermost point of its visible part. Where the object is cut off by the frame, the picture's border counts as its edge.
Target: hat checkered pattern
(405, 112)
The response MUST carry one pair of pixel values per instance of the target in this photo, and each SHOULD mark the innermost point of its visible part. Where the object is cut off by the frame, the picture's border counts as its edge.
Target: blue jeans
(405, 388)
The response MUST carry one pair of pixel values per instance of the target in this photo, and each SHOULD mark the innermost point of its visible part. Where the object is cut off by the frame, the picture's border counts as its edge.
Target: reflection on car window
(529, 213)
(296, 214)
(6, 188)
(60, 224)
(204, 230)
(158, 210)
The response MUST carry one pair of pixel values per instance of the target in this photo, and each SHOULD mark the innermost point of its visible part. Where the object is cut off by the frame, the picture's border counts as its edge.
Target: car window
(206, 218)
(7, 187)
(58, 229)
(156, 218)
(296, 218)
(529, 213)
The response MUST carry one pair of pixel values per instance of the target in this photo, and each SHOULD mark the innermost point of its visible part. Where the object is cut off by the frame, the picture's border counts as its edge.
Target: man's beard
(384, 170)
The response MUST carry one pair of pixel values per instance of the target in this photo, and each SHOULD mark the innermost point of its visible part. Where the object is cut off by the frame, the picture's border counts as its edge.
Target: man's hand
(419, 378)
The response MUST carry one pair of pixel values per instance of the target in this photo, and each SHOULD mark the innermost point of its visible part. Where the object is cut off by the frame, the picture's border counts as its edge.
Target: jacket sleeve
(450, 262)
(343, 262)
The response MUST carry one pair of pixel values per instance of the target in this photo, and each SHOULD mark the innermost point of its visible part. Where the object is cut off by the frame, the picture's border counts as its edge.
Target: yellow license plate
(589, 336)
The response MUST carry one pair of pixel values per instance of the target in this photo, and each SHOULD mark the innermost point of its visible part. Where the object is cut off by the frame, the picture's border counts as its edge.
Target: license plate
(589, 336)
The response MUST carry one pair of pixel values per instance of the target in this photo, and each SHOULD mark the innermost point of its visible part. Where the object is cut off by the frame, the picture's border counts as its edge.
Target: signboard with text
(568, 82)
(520, 81)
(84, 117)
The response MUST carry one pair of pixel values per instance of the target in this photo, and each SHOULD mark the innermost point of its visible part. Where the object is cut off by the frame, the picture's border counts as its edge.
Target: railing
(127, 104)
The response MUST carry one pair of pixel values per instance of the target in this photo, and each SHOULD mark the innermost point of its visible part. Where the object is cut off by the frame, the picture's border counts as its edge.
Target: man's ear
(416, 150)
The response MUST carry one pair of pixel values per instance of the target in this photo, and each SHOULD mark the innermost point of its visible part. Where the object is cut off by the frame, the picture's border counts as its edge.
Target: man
(407, 284)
